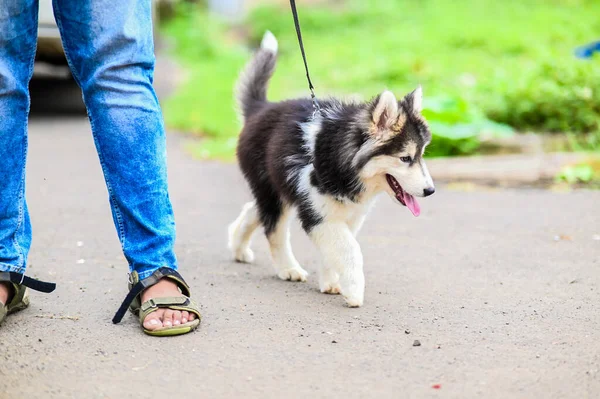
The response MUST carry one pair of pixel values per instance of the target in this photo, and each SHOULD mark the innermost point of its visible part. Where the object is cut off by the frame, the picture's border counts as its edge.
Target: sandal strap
(181, 303)
(141, 285)
(165, 302)
(21, 279)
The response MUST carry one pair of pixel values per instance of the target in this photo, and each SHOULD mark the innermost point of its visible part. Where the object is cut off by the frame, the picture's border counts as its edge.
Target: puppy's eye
(406, 159)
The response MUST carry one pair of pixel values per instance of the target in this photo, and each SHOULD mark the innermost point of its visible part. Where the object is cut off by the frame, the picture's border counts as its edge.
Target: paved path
(501, 309)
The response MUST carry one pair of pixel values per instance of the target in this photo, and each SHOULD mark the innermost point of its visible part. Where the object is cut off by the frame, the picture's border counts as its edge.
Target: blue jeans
(109, 48)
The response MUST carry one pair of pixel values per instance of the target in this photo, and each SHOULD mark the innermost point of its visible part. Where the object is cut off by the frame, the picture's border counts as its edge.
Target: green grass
(476, 59)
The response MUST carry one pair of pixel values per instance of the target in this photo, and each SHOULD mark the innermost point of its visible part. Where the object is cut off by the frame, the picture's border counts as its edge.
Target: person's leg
(18, 37)
(109, 47)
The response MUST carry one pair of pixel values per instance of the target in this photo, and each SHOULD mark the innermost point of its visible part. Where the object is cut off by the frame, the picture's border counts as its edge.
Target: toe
(176, 317)
(185, 316)
(153, 321)
(167, 319)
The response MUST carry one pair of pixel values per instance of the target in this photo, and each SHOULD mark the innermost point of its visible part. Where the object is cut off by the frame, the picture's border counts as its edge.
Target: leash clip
(315, 103)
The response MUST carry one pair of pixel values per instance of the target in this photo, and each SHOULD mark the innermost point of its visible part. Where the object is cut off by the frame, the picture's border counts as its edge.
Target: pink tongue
(411, 203)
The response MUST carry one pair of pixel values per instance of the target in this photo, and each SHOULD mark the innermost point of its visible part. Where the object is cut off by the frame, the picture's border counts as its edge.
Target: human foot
(5, 292)
(164, 317)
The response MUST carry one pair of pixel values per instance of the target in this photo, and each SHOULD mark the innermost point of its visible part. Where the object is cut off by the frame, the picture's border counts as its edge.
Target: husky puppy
(328, 165)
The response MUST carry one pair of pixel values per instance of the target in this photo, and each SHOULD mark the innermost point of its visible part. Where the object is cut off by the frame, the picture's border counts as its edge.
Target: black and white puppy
(329, 166)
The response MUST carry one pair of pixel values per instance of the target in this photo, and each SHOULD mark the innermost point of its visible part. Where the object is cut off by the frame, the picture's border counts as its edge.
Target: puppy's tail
(251, 88)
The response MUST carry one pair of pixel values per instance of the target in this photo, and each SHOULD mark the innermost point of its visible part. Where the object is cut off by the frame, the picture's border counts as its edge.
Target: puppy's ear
(385, 112)
(414, 100)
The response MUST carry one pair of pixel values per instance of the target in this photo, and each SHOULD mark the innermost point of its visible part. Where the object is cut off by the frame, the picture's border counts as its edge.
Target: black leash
(21, 279)
(316, 106)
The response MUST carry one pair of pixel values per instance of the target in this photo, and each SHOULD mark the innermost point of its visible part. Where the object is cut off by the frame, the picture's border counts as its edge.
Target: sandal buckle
(133, 278)
(152, 303)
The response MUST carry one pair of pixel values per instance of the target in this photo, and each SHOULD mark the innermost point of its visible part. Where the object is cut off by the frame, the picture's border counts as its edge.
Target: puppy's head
(391, 159)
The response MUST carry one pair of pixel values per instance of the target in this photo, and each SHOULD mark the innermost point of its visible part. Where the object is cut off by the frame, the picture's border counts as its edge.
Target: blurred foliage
(556, 96)
(577, 173)
(204, 103)
(457, 127)
(476, 59)
(586, 172)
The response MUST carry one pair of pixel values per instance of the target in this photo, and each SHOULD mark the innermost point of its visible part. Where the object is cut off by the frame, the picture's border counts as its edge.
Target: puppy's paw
(330, 288)
(354, 302)
(293, 274)
(244, 256)
(329, 282)
(353, 288)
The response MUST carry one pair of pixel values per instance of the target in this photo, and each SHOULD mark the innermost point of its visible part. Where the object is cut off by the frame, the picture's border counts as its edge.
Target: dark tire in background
(53, 90)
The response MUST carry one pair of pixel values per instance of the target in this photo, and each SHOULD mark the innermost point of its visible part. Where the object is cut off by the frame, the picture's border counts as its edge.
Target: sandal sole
(172, 331)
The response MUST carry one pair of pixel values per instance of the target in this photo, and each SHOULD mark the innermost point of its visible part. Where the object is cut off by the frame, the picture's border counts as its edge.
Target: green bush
(554, 97)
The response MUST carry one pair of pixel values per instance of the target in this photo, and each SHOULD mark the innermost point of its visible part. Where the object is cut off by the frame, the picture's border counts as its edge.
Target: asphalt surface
(501, 288)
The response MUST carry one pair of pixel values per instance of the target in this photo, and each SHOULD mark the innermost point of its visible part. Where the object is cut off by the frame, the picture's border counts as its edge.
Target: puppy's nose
(428, 191)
